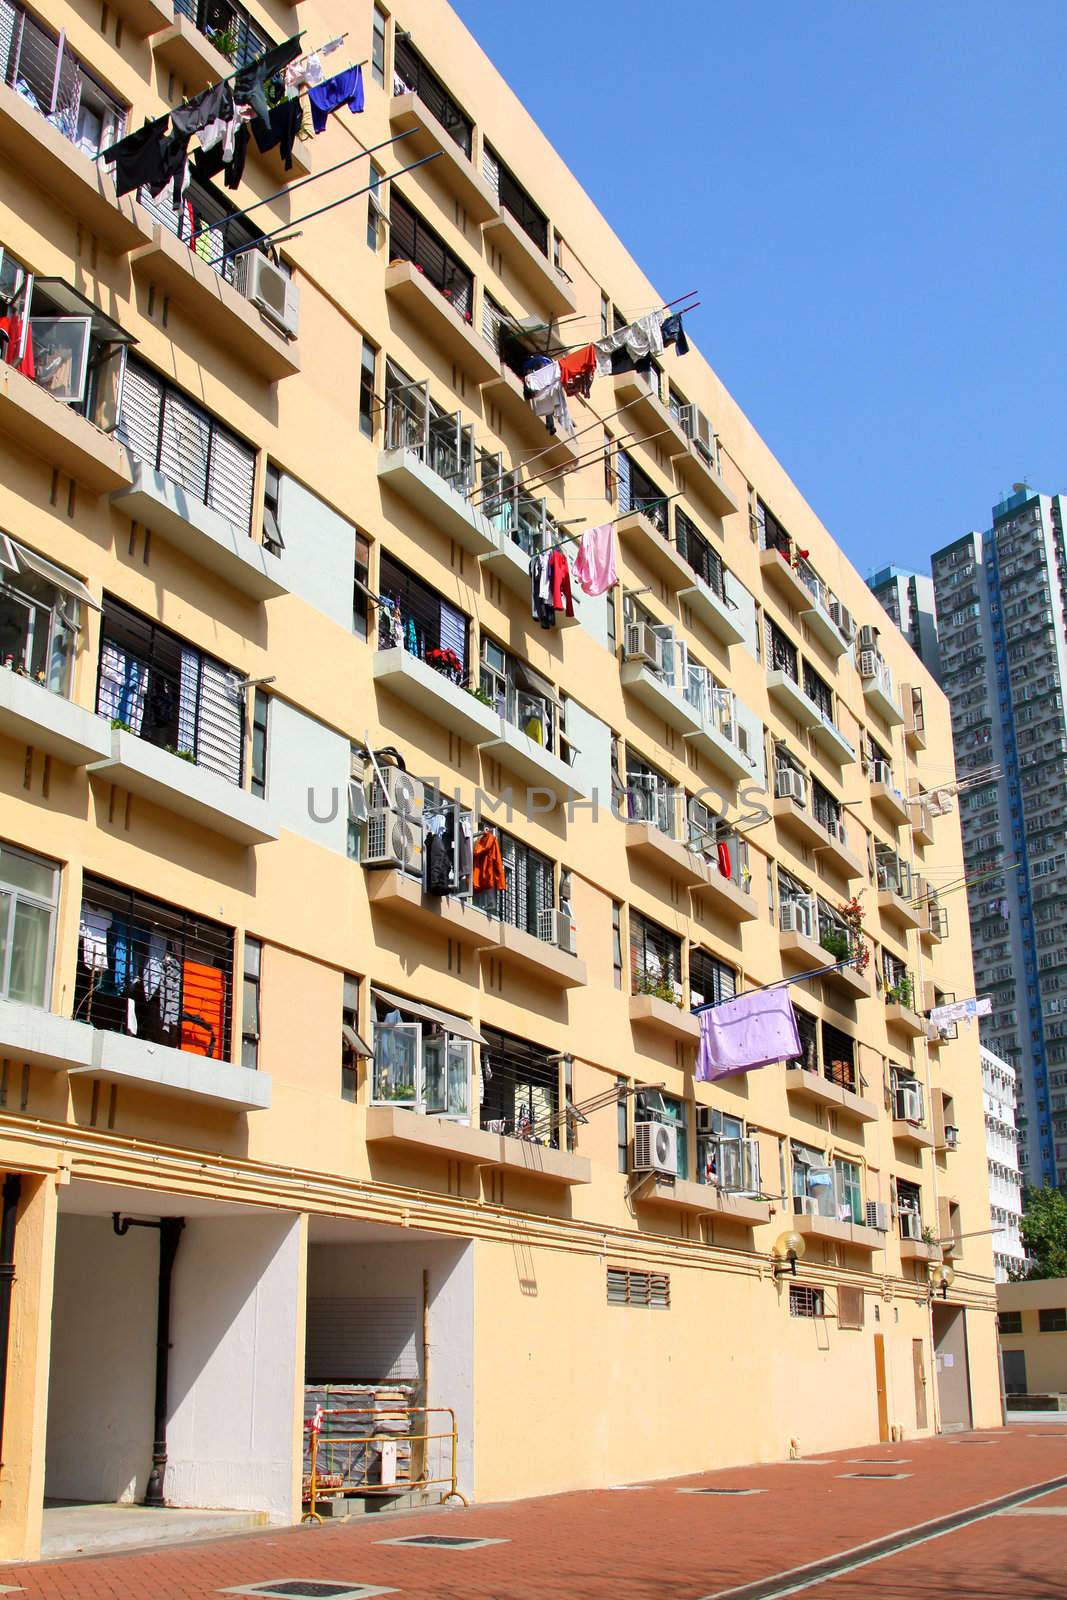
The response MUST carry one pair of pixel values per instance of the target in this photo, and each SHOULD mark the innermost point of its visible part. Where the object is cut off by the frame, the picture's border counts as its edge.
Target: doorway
(1014, 1371)
(880, 1388)
(950, 1364)
(918, 1362)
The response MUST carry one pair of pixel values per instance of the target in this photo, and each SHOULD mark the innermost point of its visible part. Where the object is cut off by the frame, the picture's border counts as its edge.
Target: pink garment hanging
(751, 1031)
(594, 565)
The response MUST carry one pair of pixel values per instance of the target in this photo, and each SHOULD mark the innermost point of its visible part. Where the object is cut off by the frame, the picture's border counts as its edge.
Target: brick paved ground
(658, 1543)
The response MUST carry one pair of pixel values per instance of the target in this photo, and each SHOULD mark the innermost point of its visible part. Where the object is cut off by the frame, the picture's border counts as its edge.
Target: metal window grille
(250, 1018)
(808, 1029)
(229, 27)
(711, 981)
(529, 889)
(655, 956)
(637, 492)
(520, 1088)
(440, 439)
(203, 207)
(515, 200)
(648, 1289)
(412, 239)
(349, 1021)
(772, 535)
(839, 1057)
(818, 690)
(173, 435)
(415, 75)
(424, 621)
(650, 796)
(781, 653)
(694, 548)
(1010, 1322)
(47, 73)
(169, 694)
(850, 1306)
(805, 1301)
(149, 968)
(260, 730)
(824, 808)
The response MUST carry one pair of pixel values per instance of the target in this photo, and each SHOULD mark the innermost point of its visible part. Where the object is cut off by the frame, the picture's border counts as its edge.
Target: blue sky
(870, 199)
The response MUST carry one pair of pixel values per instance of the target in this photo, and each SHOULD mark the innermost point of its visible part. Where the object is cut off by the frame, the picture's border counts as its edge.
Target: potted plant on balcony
(851, 914)
(446, 662)
(835, 942)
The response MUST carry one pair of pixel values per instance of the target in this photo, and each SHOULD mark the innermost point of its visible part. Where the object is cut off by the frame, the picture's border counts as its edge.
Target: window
(849, 1306)
(515, 199)
(519, 693)
(415, 618)
(655, 960)
(622, 1130)
(153, 684)
(805, 1301)
(616, 943)
(1052, 1319)
(520, 1088)
(250, 1004)
(694, 548)
(839, 1058)
(650, 795)
(411, 75)
(637, 492)
(605, 315)
(610, 630)
(361, 587)
(51, 78)
(781, 652)
(368, 365)
(152, 969)
(377, 46)
(711, 981)
(272, 528)
(654, 1106)
(29, 890)
(228, 25)
(419, 1064)
(260, 722)
(848, 1191)
(40, 615)
(819, 691)
(412, 239)
(1010, 1322)
(375, 210)
(726, 1158)
(350, 1040)
(651, 1289)
(529, 891)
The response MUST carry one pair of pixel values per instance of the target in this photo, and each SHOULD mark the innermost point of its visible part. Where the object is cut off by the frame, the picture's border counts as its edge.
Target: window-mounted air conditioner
(843, 620)
(700, 430)
(271, 289)
(557, 927)
(655, 1147)
(643, 645)
(878, 1216)
(908, 1102)
(398, 791)
(709, 1121)
(794, 916)
(911, 1226)
(882, 772)
(805, 1205)
(952, 1137)
(868, 638)
(789, 785)
(868, 663)
(393, 839)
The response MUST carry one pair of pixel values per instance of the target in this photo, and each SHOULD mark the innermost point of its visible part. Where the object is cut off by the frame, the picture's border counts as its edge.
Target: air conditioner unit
(700, 431)
(842, 618)
(805, 1205)
(269, 288)
(908, 1102)
(877, 1216)
(882, 772)
(402, 792)
(868, 637)
(952, 1137)
(709, 1121)
(794, 916)
(392, 839)
(655, 1147)
(643, 645)
(868, 663)
(557, 927)
(911, 1225)
(790, 785)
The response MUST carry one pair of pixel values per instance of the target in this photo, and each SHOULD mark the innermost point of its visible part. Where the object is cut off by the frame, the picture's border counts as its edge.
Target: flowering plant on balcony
(851, 914)
(446, 662)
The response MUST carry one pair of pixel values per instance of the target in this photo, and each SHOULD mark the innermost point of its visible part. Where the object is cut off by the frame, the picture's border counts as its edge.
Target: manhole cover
(882, 1475)
(444, 1541)
(311, 1589)
(722, 1491)
(881, 1461)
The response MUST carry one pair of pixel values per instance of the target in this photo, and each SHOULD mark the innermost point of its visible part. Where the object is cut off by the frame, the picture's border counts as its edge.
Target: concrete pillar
(22, 1471)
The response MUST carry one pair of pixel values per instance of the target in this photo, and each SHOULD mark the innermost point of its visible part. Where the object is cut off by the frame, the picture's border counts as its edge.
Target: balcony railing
(519, 515)
(411, 75)
(444, 443)
(228, 26)
(411, 239)
(205, 224)
(48, 75)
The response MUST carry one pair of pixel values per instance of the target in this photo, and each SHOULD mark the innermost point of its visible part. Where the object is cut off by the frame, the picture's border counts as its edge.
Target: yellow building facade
(267, 520)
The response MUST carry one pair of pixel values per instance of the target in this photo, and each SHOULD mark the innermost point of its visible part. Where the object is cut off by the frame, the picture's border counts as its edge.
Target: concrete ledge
(705, 481)
(778, 574)
(718, 748)
(431, 693)
(650, 844)
(48, 722)
(188, 790)
(425, 135)
(716, 614)
(439, 320)
(704, 1198)
(813, 1086)
(904, 1018)
(660, 1016)
(643, 541)
(913, 1133)
(42, 1038)
(405, 472)
(853, 1233)
(451, 918)
(539, 767)
(660, 697)
(145, 17)
(458, 1142)
(121, 1058)
(645, 413)
(505, 391)
(543, 961)
(846, 980)
(919, 1250)
(731, 902)
(202, 533)
(822, 627)
(534, 270)
(890, 802)
(876, 694)
(31, 420)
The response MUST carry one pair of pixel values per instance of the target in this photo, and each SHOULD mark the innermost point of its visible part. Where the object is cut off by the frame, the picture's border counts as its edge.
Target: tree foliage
(1045, 1232)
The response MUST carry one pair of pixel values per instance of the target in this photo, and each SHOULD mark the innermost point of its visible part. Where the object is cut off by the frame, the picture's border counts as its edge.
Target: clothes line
(956, 884)
(580, 316)
(683, 311)
(575, 537)
(779, 983)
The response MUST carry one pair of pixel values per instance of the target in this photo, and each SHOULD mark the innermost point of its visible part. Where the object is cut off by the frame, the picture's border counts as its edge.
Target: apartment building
(357, 920)
(1002, 1156)
(1000, 601)
(909, 599)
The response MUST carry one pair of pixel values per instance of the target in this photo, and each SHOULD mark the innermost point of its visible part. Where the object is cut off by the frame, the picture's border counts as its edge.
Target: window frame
(251, 993)
(37, 902)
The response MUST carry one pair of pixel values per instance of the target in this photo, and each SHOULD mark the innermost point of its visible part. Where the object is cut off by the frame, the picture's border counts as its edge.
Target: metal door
(950, 1362)
(919, 1364)
(880, 1388)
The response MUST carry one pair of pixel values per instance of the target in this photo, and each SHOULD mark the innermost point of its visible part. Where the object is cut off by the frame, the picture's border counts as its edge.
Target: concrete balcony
(504, 390)
(35, 716)
(189, 54)
(72, 181)
(510, 563)
(827, 847)
(823, 628)
(409, 476)
(717, 615)
(808, 952)
(819, 1090)
(904, 1019)
(202, 533)
(705, 1199)
(160, 1069)
(144, 17)
(715, 744)
(645, 545)
(660, 1016)
(913, 1133)
(538, 959)
(922, 822)
(914, 728)
(828, 736)
(401, 896)
(547, 287)
(932, 929)
(455, 1141)
(919, 1250)
(658, 695)
(703, 479)
(426, 136)
(780, 576)
(41, 1039)
(790, 698)
(185, 789)
(890, 804)
(218, 309)
(728, 900)
(436, 697)
(32, 421)
(849, 1233)
(645, 414)
(897, 911)
(413, 294)
(538, 766)
(650, 845)
(878, 692)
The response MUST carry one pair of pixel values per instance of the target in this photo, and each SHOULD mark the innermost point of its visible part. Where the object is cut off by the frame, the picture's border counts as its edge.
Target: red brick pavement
(649, 1544)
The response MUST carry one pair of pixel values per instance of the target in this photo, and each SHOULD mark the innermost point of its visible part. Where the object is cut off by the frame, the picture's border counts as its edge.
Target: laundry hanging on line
(544, 390)
(594, 564)
(487, 865)
(306, 71)
(751, 1031)
(550, 587)
(346, 89)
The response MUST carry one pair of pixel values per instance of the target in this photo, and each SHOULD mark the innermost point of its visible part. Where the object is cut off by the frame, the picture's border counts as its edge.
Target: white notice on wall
(389, 1461)
(948, 1361)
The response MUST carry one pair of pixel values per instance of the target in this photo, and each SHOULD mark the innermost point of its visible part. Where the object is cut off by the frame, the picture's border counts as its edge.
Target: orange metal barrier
(346, 1456)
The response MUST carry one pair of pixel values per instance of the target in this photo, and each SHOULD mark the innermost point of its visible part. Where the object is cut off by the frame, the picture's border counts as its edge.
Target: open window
(77, 353)
(422, 1058)
(40, 615)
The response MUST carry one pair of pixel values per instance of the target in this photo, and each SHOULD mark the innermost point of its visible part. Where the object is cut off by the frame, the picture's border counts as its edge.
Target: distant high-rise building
(1003, 638)
(909, 599)
(1002, 1159)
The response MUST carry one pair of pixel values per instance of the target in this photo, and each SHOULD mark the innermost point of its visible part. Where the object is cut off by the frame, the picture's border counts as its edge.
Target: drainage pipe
(12, 1191)
(170, 1232)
